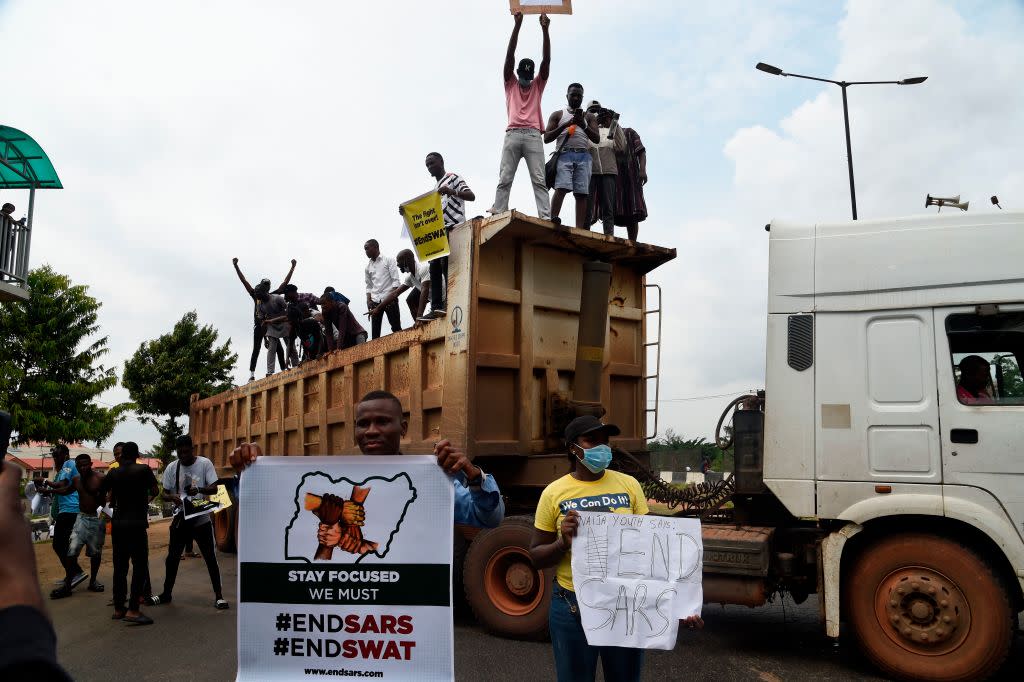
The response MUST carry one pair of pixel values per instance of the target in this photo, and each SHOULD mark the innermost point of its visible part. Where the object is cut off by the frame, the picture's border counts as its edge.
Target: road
(193, 641)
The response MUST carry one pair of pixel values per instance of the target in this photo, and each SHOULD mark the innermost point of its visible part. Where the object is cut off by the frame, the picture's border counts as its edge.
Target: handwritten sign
(425, 223)
(344, 564)
(541, 6)
(636, 577)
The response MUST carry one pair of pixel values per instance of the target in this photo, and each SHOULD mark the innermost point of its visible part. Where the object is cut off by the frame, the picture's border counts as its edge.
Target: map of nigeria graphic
(342, 520)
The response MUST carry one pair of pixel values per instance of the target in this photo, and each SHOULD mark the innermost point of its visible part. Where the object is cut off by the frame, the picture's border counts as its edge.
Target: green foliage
(163, 374)
(674, 442)
(49, 366)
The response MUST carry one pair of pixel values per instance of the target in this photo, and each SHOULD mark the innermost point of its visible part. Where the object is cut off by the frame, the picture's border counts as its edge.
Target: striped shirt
(453, 207)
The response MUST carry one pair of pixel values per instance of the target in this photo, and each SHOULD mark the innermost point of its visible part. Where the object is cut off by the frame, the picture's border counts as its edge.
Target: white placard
(374, 604)
(636, 577)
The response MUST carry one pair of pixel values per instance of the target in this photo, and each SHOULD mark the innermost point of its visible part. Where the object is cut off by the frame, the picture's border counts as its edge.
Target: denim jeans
(523, 143)
(575, 660)
(572, 172)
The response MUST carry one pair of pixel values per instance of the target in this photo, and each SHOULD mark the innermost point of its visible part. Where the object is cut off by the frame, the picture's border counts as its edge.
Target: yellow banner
(425, 223)
(221, 497)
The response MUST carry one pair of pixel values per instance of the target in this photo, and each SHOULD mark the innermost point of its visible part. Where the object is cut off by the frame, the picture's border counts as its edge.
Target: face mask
(597, 458)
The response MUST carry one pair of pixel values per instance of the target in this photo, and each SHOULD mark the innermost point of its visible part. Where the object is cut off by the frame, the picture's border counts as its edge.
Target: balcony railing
(14, 252)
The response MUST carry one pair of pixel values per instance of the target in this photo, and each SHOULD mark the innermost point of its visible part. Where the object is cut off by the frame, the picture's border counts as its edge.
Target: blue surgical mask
(597, 458)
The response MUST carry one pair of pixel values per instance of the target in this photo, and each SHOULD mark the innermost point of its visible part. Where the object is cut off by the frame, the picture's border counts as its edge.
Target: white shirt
(201, 473)
(382, 275)
(415, 279)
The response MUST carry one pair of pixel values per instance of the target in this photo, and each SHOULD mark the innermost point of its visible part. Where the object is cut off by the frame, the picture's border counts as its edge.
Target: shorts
(572, 171)
(89, 532)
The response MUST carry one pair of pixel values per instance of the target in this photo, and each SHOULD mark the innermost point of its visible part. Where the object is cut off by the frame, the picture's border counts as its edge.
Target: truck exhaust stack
(590, 340)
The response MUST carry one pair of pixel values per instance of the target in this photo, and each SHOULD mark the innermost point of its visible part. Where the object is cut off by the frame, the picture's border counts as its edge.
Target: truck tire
(927, 608)
(225, 529)
(509, 597)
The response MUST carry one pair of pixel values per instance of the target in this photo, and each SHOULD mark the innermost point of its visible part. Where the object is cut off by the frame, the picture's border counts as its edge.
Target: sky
(188, 133)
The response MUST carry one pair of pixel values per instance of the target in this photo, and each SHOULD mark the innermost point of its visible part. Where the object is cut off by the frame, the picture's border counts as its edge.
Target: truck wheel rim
(512, 583)
(922, 611)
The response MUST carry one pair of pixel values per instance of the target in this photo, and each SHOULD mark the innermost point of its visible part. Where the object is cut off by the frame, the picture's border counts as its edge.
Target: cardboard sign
(425, 224)
(541, 6)
(636, 577)
(344, 569)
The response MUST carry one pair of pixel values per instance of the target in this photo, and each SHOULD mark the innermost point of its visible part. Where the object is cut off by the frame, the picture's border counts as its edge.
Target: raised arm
(287, 278)
(510, 56)
(545, 63)
(245, 282)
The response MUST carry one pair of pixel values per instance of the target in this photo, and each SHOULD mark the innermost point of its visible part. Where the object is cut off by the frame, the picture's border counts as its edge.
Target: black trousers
(413, 300)
(601, 202)
(180, 534)
(439, 283)
(131, 543)
(62, 527)
(258, 332)
(394, 319)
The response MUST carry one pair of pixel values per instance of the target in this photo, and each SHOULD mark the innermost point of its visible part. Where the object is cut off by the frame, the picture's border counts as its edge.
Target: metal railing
(654, 376)
(14, 250)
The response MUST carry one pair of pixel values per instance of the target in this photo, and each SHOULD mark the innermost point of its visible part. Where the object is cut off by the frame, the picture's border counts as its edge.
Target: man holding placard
(523, 138)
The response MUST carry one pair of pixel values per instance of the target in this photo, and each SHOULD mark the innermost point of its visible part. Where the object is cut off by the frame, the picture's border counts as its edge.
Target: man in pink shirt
(525, 123)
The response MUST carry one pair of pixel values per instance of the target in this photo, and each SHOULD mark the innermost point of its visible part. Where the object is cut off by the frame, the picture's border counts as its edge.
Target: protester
(28, 648)
(382, 277)
(630, 207)
(90, 529)
(554, 529)
(259, 332)
(523, 140)
(416, 279)
(380, 426)
(274, 307)
(341, 328)
(604, 151)
(454, 194)
(304, 328)
(67, 513)
(189, 476)
(575, 130)
(133, 486)
(147, 589)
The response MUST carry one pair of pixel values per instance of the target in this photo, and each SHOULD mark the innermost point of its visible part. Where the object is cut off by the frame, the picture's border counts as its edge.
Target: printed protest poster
(541, 6)
(425, 223)
(636, 577)
(344, 569)
(197, 505)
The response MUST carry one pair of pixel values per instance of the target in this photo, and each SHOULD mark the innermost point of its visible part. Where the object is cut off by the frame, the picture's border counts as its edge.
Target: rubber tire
(515, 531)
(225, 529)
(991, 635)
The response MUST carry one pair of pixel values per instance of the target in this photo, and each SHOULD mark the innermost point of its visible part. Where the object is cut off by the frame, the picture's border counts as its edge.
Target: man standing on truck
(555, 527)
(574, 129)
(454, 194)
(415, 277)
(258, 330)
(379, 427)
(382, 277)
(190, 475)
(523, 140)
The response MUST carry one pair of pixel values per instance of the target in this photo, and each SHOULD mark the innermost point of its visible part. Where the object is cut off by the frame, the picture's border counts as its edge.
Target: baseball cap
(593, 104)
(588, 424)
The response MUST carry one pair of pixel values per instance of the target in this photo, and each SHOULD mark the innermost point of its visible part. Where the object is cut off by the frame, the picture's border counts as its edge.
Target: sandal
(61, 592)
(140, 619)
(157, 600)
(117, 615)
(95, 587)
(221, 605)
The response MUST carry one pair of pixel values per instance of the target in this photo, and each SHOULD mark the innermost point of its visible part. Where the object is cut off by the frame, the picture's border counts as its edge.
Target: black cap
(588, 424)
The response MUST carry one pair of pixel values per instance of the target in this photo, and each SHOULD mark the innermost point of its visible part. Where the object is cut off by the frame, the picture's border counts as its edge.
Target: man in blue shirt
(379, 427)
(67, 514)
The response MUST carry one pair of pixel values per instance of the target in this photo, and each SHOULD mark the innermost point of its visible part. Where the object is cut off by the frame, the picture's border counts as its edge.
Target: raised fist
(353, 513)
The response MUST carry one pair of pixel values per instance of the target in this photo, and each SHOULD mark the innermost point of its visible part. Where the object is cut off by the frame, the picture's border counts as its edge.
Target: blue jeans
(575, 660)
(572, 171)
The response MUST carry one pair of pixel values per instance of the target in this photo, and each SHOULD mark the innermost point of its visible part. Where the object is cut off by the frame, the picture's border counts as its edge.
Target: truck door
(980, 353)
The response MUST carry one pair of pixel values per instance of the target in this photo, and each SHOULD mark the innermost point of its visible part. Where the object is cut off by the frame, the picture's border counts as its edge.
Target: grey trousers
(522, 143)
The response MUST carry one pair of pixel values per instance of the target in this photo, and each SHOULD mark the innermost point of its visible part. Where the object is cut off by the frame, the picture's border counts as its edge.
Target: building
(36, 461)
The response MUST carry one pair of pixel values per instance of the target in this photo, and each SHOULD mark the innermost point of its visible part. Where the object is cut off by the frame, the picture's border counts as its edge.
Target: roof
(23, 163)
(46, 463)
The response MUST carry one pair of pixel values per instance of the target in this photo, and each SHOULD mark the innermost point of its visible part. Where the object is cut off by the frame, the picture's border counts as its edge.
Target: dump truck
(864, 474)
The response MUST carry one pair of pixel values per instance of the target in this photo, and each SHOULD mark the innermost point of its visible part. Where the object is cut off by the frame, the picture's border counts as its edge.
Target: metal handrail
(657, 362)
(13, 251)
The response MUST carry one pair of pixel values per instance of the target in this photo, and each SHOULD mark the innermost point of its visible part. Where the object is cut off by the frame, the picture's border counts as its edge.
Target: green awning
(23, 163)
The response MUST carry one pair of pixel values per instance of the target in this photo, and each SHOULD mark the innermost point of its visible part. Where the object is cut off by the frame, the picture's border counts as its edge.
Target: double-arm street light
(776, 71)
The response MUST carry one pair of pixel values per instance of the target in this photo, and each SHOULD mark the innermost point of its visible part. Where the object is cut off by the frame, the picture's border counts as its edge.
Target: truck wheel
(927, 608)
(509, 597)
(225, 529)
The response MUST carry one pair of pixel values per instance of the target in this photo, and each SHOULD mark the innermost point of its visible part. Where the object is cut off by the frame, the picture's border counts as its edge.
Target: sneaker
(432, 315)
(79, 579)
(252, 376)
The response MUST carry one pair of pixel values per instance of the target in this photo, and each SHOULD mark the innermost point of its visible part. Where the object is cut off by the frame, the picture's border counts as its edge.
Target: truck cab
(894, 418)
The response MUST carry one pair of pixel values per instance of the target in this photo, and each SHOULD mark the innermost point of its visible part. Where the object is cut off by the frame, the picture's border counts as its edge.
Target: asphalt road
(193, 641)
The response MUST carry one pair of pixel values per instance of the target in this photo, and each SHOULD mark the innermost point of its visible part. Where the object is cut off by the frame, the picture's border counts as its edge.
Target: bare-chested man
(90, 528)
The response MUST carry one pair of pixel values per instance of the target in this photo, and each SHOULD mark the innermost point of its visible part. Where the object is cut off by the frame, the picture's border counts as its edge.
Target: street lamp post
(776, 71)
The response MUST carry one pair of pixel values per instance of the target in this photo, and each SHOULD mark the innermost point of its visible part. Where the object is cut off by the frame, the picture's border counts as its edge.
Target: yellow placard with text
(221, 497)
(425, 223)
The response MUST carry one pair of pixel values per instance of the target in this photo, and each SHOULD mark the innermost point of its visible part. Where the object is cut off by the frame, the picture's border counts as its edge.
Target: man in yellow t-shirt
(590, 486)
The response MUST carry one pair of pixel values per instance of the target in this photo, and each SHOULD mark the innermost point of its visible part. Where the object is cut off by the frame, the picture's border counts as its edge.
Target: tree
(163, 374)
(49, 370)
